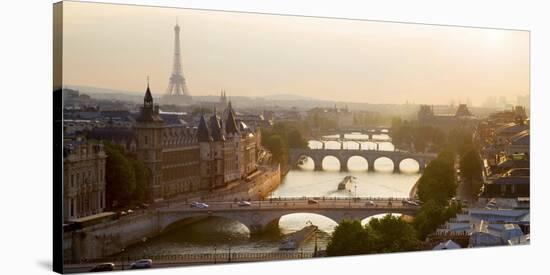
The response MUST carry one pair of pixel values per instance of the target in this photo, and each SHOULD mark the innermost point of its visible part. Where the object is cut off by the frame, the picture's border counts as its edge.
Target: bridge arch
(298, 220)
(305, 162)
(409, 161)
(367, 219)
(360, 163)
(385, 163)
(341, 166)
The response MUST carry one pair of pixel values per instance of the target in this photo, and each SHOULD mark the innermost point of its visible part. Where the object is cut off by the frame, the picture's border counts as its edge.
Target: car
(244, 203)
(410, 203)
(370, 203)
(103, 267)
(312, 201)
(130, 211)
(197, 204)
(143, 263)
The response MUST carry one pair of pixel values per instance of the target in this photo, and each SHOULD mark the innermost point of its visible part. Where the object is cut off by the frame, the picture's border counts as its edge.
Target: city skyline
(259, 55)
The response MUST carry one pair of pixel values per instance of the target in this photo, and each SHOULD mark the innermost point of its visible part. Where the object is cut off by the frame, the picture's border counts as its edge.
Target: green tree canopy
(438, 181)
(143, 175)
(120, 178)
(387, 234)
(471, 170)
(349, 238)
(432, 215)
(393, 234)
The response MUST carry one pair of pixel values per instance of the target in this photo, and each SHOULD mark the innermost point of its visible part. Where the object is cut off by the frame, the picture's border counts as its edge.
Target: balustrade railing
(218, 257)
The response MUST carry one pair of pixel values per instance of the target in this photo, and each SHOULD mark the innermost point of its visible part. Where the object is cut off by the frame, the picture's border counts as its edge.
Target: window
(71, 214)
(72, 180)
(145, 140)
(77, 178)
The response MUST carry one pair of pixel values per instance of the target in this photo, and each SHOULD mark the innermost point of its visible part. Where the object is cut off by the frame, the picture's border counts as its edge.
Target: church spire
(148, 99)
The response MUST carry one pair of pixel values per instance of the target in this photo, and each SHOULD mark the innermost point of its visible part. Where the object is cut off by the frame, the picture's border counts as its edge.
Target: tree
(438, 181)
(471, 170)
(387, 234)
(349, 238)
(295, 139)
(142, 175)
(393, 235)
(119, 176)
(276, 145)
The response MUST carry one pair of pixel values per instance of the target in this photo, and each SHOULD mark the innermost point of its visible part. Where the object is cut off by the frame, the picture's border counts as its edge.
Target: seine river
(219, 235)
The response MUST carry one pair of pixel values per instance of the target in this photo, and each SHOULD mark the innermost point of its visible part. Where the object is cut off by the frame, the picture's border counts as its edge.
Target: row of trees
(436, 187)
(406, 134)
(282, 136)
(127, 179)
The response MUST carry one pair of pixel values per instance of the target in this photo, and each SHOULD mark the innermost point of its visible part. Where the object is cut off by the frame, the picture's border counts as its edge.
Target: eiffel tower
(177, 92)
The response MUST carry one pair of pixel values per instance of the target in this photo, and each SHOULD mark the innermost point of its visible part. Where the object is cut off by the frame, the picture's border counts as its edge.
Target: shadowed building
(461, 118)
(83, 179)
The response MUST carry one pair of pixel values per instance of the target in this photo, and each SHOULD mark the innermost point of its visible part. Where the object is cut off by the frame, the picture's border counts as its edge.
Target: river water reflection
(219, 234)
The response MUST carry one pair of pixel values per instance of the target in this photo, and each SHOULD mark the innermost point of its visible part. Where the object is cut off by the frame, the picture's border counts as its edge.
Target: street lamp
(229, 256)
(215, 255)
(315, 248)
(260, 198)
(122, 258)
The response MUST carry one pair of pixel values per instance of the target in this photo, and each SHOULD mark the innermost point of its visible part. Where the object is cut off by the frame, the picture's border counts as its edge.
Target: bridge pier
(343, 166)
(396, 169)
(318, 165)
(370, 166)
(396, 165)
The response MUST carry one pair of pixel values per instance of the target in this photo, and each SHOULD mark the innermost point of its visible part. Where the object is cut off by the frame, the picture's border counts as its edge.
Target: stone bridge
(343, 155)
(264, 215)
(111, 237)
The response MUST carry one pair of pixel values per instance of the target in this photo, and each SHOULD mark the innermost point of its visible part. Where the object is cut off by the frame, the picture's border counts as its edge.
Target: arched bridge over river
(343, 155)
(260, 215)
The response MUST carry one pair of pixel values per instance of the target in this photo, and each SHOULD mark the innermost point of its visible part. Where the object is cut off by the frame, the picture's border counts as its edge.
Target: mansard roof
(230, 124)
(215, 128)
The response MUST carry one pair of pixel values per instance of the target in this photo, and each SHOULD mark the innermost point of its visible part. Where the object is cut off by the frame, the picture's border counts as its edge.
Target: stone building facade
(227, 150)
(83, 179)
(168, 149)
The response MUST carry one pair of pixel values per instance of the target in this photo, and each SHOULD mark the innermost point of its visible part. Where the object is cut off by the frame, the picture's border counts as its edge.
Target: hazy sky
(117, 47)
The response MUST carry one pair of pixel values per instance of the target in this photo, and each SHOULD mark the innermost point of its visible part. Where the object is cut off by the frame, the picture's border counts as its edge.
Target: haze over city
(117, 47)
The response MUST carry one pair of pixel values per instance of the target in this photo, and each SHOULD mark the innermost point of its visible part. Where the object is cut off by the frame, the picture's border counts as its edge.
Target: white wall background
(25, 173)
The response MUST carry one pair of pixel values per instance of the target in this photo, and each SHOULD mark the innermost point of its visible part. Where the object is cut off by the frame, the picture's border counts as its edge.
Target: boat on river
(345, 184)
(294, 240)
